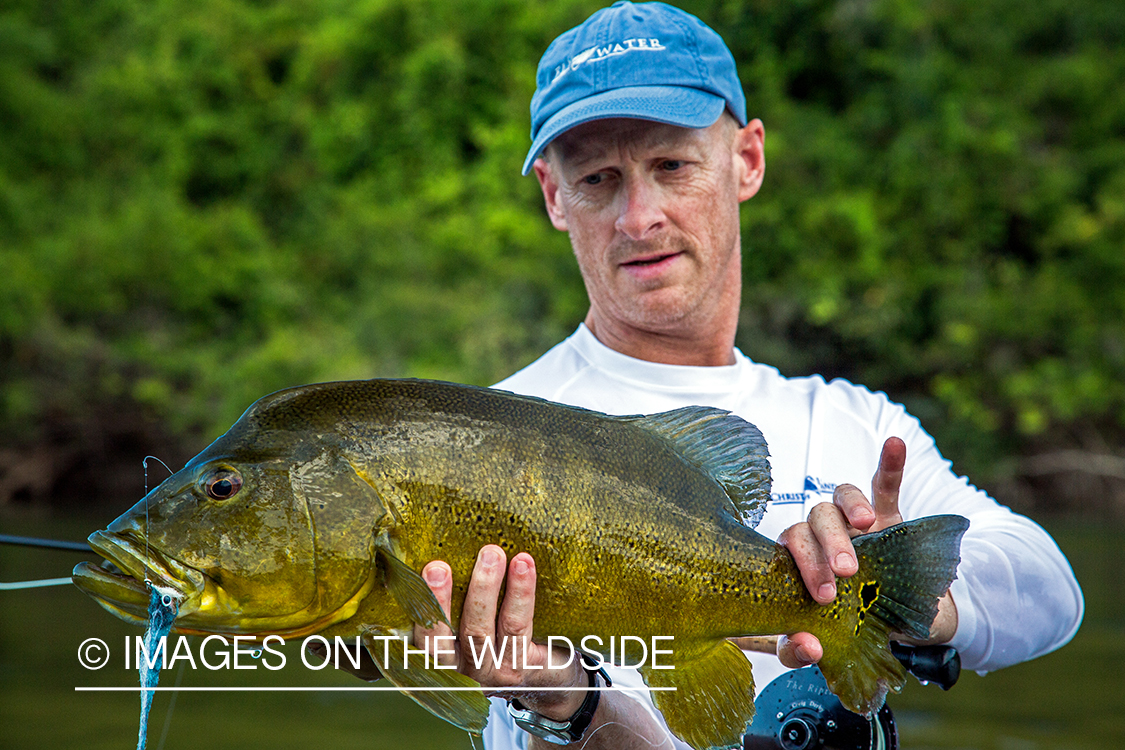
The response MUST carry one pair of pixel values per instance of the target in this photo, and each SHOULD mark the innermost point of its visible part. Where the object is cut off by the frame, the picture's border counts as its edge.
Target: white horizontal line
(14, 585)
(370, 688)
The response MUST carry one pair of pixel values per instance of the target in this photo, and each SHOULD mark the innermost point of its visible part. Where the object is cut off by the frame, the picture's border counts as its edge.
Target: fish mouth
(122, 582)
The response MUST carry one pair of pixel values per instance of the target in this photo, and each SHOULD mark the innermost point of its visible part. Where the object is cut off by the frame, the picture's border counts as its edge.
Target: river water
(1073, 699)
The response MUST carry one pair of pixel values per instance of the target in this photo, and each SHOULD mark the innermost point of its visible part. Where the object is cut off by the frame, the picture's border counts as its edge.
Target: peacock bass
(316, 510)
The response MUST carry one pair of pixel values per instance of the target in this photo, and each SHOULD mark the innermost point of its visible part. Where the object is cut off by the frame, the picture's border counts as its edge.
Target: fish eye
(222, 484)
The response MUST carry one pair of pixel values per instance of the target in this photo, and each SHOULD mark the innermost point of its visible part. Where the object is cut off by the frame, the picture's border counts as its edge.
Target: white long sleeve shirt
(1016, 595)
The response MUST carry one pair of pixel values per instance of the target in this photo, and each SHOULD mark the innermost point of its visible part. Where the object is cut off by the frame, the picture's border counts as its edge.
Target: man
(644, 152)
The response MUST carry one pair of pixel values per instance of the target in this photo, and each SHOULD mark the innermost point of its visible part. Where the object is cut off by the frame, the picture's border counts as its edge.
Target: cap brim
(673, 105)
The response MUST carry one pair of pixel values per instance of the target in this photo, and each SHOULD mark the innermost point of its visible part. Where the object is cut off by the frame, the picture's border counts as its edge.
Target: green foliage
(206, 201)
(944, 213)
(203, 201)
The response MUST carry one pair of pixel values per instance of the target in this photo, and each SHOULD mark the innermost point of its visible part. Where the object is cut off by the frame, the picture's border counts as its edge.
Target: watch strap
(567, 730)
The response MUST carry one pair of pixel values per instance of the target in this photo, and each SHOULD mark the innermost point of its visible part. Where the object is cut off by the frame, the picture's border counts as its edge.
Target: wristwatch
(565, 731)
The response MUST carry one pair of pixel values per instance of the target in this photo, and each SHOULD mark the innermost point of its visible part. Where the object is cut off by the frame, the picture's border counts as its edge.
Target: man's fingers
(831, 530)
(439, 578)
(518, 606)
(515, 623)
(854, 505)
(882, 510)
(822, 549)
(799, 650)
(811, 561)
(478, 616)
(886, 483)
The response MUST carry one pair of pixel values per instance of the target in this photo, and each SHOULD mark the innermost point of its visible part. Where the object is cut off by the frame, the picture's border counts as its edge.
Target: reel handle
(940, 665)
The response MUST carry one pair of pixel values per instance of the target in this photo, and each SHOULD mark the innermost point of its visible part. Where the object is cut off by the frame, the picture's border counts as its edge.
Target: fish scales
(599, 513)
(515, 481)
(316, 511)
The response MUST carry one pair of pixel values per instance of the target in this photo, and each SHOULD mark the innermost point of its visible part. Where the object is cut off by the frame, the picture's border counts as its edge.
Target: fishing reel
(797, 711)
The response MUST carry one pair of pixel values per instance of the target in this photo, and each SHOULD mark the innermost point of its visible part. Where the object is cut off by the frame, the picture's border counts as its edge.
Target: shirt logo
(813, 486)
(598, 53)
(819, 486)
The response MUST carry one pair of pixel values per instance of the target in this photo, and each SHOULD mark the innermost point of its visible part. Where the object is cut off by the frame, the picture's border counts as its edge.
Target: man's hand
(619, 723)
(823, 551)
(508, 626)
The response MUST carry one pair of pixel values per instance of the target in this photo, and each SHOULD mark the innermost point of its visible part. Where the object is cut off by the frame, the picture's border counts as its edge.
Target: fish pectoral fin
(707, 701)
(446, 693)
(410, 590)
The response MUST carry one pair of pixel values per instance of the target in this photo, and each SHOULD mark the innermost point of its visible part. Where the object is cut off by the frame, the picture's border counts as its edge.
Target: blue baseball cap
(648, 61)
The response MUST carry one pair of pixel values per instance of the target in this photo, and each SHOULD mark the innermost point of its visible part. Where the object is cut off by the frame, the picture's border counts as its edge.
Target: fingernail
(435, 575)
(521, 567)
(489, 558)
(826, 592)
(844, 561)
(802, 654)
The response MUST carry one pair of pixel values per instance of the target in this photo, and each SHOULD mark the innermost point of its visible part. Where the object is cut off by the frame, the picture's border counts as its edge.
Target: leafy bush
(201, 202)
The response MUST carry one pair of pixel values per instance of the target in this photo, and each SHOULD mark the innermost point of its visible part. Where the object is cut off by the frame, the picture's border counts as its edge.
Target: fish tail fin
(903, 571)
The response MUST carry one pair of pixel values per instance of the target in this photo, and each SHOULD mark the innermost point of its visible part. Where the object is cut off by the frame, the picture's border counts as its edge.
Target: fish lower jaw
(133, 564)
(125, 594)
(215, 612)
(210, 610)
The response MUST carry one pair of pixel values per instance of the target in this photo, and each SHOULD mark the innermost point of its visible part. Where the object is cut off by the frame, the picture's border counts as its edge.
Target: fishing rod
(55, 544)
(30, 541)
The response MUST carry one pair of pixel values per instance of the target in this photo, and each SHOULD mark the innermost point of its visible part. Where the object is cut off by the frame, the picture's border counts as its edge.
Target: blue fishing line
(162, 610)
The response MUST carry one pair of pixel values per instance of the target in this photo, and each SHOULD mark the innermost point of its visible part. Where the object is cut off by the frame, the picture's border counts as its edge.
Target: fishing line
(16, 585)
(30, 541)
(27, 541)
(162, 610)
(164, 605)
(144, 463)
(665, 741)
(171, 706)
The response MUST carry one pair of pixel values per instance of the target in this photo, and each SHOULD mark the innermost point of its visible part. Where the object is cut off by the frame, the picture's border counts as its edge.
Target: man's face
(652, 213)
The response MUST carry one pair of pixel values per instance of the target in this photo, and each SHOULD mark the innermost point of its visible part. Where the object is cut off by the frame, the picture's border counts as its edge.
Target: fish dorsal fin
(725, 447)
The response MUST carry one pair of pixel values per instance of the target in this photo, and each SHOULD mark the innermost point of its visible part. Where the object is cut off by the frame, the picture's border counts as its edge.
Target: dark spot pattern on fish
(638, 525)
